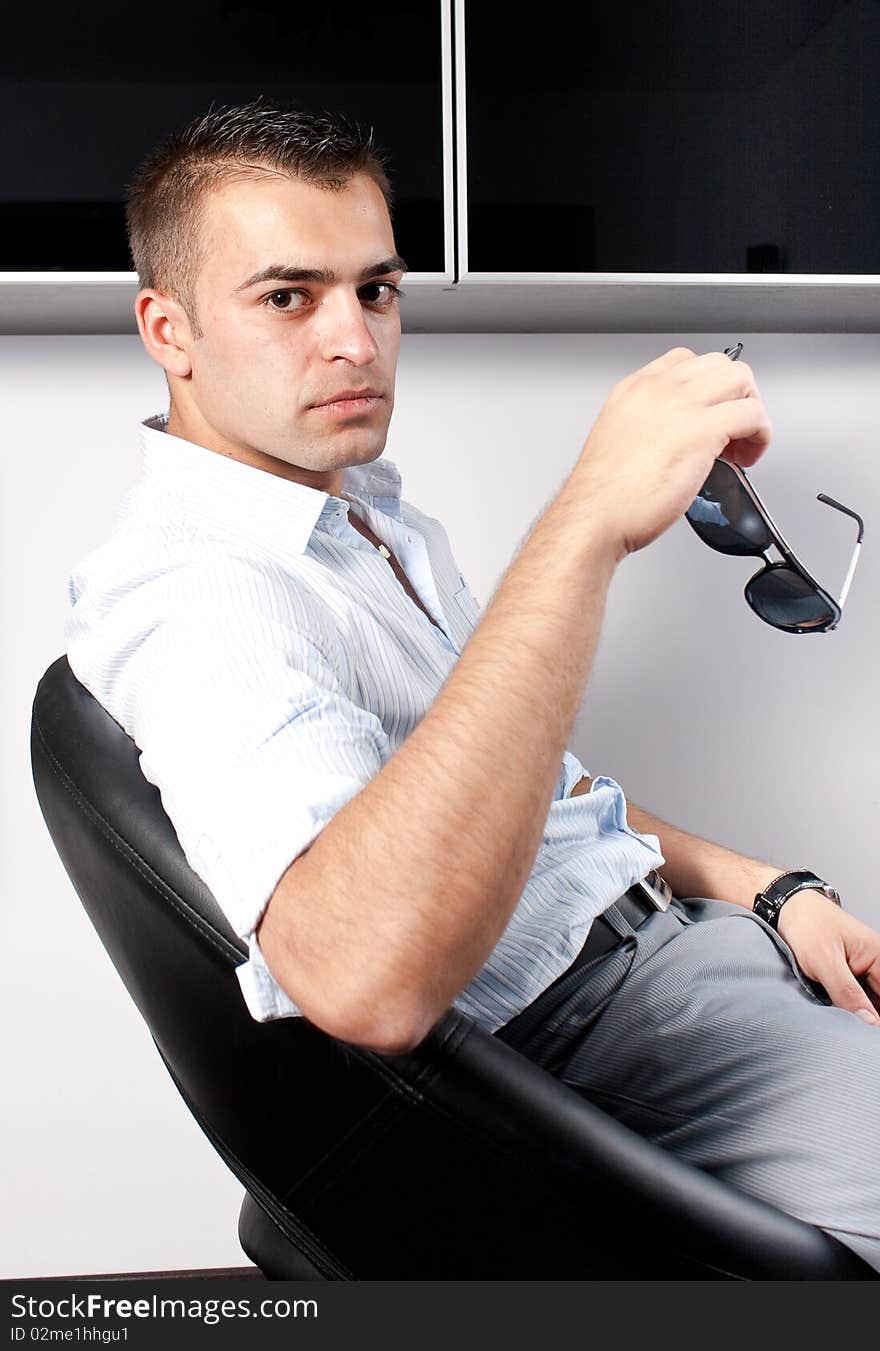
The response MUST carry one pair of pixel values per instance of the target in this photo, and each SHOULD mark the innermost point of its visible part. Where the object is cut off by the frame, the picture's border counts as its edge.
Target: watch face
(824, 889)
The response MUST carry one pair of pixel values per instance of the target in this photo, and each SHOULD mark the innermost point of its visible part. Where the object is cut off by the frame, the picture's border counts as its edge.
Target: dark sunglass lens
(787, 600)
(725, 517)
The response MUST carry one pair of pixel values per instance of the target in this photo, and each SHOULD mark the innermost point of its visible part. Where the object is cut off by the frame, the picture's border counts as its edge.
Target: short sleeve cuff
(263, 995)
(572, 773)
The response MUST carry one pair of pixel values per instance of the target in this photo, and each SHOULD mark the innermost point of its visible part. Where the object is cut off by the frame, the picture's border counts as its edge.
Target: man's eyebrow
(278, 272)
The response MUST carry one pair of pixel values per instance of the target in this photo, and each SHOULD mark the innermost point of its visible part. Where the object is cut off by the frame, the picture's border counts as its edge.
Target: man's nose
(343, 328)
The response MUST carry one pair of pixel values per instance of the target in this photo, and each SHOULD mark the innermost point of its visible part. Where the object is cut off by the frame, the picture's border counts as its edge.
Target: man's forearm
(697, 867)
(413, 881)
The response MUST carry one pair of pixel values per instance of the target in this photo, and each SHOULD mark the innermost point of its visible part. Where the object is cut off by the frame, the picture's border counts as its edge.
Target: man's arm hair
(698, 867)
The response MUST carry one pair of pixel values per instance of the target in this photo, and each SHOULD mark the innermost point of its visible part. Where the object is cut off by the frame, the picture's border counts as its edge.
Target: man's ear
(165, 331)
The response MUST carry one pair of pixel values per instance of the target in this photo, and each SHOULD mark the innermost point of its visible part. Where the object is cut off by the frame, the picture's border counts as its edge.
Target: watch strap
(769, 902)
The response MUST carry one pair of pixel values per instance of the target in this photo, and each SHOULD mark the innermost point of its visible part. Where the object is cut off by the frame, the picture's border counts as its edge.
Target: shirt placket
(412, 553)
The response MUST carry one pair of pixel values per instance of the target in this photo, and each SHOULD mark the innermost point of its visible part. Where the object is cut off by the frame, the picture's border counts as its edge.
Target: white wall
(763, 741)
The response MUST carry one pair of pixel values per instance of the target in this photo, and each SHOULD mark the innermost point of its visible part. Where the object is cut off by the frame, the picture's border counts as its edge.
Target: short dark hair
(165, 198)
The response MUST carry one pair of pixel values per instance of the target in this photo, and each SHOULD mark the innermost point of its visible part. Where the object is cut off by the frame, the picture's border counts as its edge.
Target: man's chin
(352, 449)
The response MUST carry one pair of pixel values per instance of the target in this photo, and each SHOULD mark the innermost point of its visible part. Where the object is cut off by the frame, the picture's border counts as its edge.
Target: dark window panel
(687, 136)
(90, 236)
(86, 92)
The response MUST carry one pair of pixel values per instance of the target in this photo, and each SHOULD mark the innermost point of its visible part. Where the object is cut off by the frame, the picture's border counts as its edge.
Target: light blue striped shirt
(267, 662)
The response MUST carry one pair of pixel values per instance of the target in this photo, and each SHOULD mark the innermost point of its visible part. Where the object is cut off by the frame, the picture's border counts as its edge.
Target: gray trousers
(700, 1032)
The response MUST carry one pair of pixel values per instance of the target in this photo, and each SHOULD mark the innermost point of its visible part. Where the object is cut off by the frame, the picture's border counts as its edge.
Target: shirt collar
(252, 502)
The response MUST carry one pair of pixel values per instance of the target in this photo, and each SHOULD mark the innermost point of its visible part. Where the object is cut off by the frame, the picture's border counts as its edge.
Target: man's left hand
(835, 949)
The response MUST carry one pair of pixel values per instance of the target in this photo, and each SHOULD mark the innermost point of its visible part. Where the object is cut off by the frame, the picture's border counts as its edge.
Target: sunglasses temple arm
(849, 575)
(822, 497)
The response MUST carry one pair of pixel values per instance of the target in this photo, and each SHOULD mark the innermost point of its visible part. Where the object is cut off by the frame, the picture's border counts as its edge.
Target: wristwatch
(770, 901)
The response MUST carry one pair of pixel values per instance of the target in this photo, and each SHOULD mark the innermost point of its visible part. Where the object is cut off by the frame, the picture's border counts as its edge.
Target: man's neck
(201, 434)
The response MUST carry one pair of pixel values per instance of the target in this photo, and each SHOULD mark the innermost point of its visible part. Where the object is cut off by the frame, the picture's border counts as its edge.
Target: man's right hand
(657, 436)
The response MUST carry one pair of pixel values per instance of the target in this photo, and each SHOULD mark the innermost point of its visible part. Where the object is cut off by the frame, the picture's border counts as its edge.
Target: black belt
(635, 905)
(642, 900)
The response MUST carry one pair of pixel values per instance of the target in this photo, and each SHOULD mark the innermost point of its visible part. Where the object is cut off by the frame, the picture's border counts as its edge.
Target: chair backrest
(461, 1159)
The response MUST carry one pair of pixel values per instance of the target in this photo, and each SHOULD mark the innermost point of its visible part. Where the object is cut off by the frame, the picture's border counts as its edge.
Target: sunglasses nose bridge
(767, 566)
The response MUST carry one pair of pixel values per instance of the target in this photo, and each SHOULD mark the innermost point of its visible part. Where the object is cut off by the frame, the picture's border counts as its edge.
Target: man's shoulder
(134, 583)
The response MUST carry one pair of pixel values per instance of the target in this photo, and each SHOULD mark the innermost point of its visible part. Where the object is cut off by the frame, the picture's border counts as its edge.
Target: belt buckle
(656, 889)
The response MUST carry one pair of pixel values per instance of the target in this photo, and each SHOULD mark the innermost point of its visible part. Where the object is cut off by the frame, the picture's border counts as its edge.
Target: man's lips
(348, 405)
(349, 396)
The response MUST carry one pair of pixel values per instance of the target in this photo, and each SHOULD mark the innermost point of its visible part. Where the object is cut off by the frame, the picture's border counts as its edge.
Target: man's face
(273, 349)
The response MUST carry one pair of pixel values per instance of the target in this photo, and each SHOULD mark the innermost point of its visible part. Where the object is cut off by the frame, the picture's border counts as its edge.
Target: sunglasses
(729, 516)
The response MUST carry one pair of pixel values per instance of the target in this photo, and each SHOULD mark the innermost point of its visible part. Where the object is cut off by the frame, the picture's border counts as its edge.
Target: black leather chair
(459, 1160)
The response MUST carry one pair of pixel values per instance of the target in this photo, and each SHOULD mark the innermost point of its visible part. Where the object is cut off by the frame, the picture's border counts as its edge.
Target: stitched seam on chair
(131, 854)
(314, 1249)
(313, 1245)
(393, 1115)
(390, 1107)
(353, 1131)
(443, 1113)
(403, 1093)
(381, 1117)
(425, 1076)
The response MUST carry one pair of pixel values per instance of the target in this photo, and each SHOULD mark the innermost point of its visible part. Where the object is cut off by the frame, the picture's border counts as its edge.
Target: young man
(357, 762)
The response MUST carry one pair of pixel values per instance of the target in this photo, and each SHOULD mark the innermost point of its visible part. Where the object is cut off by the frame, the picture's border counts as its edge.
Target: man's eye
(394, 292)
(276, 294)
